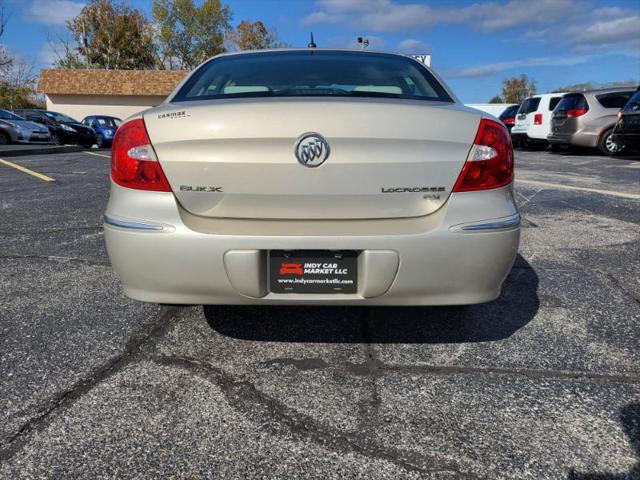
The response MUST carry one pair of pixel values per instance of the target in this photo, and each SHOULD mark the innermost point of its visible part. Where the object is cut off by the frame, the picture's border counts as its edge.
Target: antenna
(311, 43)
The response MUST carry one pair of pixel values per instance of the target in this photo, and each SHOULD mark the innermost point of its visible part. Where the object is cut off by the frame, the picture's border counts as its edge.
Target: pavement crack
(529, 373)
(144, 338)
(372, 362)
(299, 364)
(375, 368)
(54, 258)
(282, 420)
(619, 286)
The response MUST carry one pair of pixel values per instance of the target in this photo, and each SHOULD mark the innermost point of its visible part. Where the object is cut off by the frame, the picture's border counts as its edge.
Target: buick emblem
(311, 149)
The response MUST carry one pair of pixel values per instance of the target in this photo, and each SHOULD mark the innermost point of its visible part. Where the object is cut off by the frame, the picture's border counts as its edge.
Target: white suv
(533, 121)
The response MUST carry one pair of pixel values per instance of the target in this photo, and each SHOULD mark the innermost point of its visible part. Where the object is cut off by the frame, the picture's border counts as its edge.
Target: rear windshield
(614, 100)
(509, 112)
(572, 101)
(633, 105)
(312, 73)
(529, 105)
(553, 103)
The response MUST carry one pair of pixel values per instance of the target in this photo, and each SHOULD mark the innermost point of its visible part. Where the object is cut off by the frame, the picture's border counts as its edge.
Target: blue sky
(474, 44)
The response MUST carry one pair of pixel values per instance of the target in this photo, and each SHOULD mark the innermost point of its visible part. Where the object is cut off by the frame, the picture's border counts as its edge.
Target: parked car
(15, 129)
(508, 117)
(586, 119)
(533, 121)
(626, 133)
(64, 129)
(494, 109)
(104, 126)
(267, 159)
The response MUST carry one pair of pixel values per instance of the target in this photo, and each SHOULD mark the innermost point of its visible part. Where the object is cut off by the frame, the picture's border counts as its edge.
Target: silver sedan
(311, 176)
(15, 129)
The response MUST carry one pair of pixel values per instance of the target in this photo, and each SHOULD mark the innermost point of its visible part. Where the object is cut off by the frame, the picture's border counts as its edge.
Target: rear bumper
(459, 255)
(524, 138)
(578, 139)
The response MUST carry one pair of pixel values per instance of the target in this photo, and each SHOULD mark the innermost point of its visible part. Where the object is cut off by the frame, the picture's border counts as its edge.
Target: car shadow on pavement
(630, 419)
(496, 320)
(592, 152)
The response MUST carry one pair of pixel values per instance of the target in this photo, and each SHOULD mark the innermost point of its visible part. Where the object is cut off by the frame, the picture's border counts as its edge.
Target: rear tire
(607, 146)
(4, 139)
(55, 139)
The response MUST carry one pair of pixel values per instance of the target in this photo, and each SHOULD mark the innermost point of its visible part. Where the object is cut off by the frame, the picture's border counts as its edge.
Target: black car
(508, 117)
(626, 132)
(64, 129)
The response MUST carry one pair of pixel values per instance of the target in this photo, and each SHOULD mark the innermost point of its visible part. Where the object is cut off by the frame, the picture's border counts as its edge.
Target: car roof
(595, 91)
(355, 51)
(543, 95)
(311, 50)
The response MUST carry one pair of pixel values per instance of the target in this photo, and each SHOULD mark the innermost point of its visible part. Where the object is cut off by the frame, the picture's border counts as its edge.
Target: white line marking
(527, 200)
(98, 154)
(559, 186)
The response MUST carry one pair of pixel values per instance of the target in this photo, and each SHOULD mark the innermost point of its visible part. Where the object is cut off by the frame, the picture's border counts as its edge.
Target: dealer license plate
(313, 271)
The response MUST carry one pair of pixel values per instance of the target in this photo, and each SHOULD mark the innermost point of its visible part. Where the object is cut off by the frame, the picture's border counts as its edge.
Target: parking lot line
(99, 154)
(560, 186)
(26, 170)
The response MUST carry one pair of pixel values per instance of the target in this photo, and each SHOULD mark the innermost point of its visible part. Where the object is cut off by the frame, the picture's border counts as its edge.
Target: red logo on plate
(291, 269)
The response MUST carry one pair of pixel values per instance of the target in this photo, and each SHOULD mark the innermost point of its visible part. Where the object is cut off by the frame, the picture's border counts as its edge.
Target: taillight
(576, 112)
(510, 121)
(490, 161)
(133, 162)
(537, 119)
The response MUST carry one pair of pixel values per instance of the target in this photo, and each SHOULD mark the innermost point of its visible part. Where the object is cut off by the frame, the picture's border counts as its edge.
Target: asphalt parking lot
(543, 383)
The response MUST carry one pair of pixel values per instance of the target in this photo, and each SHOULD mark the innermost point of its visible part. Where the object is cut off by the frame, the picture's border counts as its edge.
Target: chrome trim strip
(498, 224)
(132, 225)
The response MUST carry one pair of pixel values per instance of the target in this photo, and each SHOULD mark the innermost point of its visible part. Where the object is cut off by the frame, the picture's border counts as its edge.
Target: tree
(496, 99)
(17, 81)
(111, 35)
(5, 58)
(187, 35)
(17, 86)
(254, 36)
(516, 89)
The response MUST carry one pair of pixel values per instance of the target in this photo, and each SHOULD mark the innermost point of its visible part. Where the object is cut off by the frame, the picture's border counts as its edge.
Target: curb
(18, 152)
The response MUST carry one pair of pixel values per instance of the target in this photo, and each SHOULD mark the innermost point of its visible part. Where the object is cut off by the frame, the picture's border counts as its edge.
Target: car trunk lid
(388, 158)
